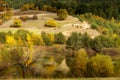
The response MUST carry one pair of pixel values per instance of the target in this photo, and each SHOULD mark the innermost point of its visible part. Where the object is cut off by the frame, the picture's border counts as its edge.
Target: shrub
(10, 40)
(102, 41)
(94, 25)
(35, 17)
(62, 14)
(3, 37)
(71, 11)
(25, 7)
(30, 6)
(24, 18)
(37, 39)
(49, 8)
(117, 68)
(21, 34)
(51, 37)
(46, 39)
(17, 23)
(1, 21)
(59, 38)
(51, 23)
(7, 15)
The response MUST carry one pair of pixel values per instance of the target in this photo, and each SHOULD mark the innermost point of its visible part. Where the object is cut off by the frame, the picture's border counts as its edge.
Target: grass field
(72, 79)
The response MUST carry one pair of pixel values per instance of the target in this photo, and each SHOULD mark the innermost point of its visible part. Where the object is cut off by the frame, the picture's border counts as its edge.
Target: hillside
(71, 24)
(60, 39)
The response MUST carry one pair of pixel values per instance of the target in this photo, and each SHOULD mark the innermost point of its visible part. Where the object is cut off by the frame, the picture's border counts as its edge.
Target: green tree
(102, 41)
(59, 38)
(117, 67)
(86, 41)
(46, 39)
(62, 14)
(74, 42)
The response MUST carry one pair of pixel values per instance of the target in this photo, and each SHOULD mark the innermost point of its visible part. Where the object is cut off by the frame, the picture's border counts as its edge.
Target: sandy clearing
(71, 24)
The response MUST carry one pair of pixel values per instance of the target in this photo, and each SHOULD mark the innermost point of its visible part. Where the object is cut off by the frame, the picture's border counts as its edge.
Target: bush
(25, 7)
(7, 15)
(59, 38)
(117, 68)
(37, 39)
(3, 37)
(24, 18)
(102, 41)
(29, 6)
(51, 23)
(17, 23)
(46, 39)
(71, 11)
(35, 17)
(51, 37)
(62, 14)
(22, 34)
(10, 40)
(49, 8)
(1, 21)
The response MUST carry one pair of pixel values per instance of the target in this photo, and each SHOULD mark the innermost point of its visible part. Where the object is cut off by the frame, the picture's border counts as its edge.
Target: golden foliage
(102, 64)
(0, 58)
(7, 15)
(29, 42)
(114, 35)
(10, 40)
(17, 23)
(37, 39)
(51, 37)
(1, 21)
(19, 41)
(51, 23)
(30, 6)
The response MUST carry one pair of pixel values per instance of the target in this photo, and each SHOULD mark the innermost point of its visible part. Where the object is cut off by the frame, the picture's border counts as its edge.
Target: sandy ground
(71, 24)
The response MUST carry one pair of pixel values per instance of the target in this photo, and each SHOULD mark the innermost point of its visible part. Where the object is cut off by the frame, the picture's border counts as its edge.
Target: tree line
(103, 8)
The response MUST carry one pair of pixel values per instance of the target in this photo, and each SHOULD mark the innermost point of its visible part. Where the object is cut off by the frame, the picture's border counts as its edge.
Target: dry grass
(38, 25)
(72, 79)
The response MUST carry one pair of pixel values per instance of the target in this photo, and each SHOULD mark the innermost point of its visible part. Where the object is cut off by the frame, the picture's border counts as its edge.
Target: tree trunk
(23, 71)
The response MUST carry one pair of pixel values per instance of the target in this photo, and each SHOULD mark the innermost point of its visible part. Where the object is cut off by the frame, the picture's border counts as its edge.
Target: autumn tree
(19, 56)
(78, 63)
(100, 66)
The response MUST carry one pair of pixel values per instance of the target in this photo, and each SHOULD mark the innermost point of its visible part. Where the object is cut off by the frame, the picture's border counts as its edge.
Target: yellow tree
(100, 66)
(19, 55)
(78, 63)
(10, 40)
